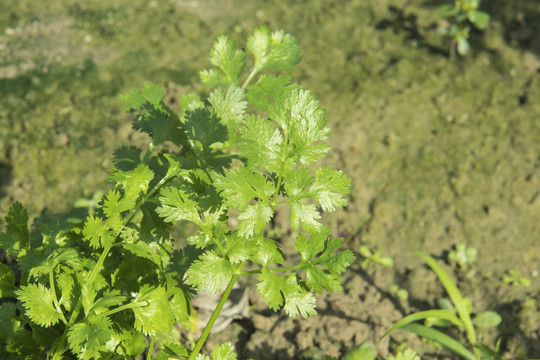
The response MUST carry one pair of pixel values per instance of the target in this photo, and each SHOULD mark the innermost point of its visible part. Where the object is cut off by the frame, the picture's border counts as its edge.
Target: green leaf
(210, 273)
(461, 305)
(204, 129)
(267, 252)
(306, 215)
(487, 319)
(87, 338)
(239, 186)
(230, 60)
(178, 204)
(229, 108)
(8, 321)
(239, 249)
(407, 354)
(108, 299)
(447, 10)
(266, 88)
(278, 290)
(16, 240)
(156, 118)
(7, 281)
(97, 233)
(441, 338)
(275, 50)
(329, 188)
(463, 46)
(38, 302)
(221, 352)
(66, 283)
(366, 351)
(262, 143)
(254, 219)
(480, 19)
(423, 315)
(152, 311)
(127, 158)
(323, 263)
(303, 122)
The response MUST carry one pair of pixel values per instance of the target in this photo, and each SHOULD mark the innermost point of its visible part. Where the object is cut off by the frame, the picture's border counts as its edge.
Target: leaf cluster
(91, 285)
(461, 15)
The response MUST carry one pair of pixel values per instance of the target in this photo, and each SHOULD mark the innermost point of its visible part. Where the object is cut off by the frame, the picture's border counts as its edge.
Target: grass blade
(455, 295)
(422, 315)
(441, 338)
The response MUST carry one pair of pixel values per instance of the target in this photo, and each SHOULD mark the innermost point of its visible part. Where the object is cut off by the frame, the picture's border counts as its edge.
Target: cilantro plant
(461, 15)
(108, 283)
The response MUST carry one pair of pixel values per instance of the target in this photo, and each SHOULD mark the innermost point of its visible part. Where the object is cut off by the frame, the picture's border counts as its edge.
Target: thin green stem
(53, 290)
(151, 348)
(281, 170)
(215, 314)
(250, 77)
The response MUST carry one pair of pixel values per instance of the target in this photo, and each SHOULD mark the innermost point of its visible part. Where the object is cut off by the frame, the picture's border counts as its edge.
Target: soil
(440, 152)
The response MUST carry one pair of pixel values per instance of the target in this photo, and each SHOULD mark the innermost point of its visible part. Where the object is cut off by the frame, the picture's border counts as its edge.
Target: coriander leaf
(8, 321)
(66, 282)
(229, 107)
(148, 251)
(7, 281)
(299, 302)
(156, 118)
(305, 215)
(190, 102)
(126, 342)
(322, 262)
(38, 302)
(329, 187)
(108, 299)
(204, 129)
(262, 143)
(238, 248)
(254, 219)
(16, 240)
(277, 290)
(221, 352)
(303, 123)
(311, 246)
(133, 183)
(268, 86)
(210, 273)
(241, 185)
(269, 287)
(275, 50)
(296, 182)
(127, 158)
(267, 252)
(230, 60)
(152, 310)
(178, 204)
(333, 259)
(96, 233)
(88, 337)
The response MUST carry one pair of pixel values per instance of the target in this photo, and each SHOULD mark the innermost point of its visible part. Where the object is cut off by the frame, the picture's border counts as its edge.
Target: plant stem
(151, 348)
(215, 314)
(249, 78)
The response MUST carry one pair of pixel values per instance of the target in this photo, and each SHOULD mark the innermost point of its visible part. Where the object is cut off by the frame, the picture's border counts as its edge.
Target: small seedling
(399, 292)
(456, 312)
(461, 15)
(373, 257)
(511, 277)
(462, 256)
